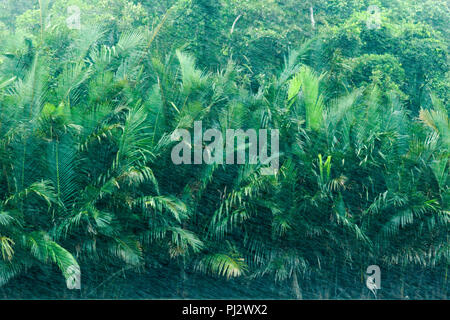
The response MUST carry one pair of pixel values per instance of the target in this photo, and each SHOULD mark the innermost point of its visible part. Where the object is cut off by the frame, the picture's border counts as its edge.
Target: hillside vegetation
(88, 189)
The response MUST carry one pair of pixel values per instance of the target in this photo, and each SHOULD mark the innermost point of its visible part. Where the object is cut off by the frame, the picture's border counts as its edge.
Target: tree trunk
(311, 14)
(296, 287)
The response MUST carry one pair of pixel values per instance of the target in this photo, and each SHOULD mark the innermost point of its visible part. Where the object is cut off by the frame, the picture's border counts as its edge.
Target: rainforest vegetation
(359, 92)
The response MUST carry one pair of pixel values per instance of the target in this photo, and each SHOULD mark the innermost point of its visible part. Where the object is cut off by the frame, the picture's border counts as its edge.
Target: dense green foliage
(87, 184)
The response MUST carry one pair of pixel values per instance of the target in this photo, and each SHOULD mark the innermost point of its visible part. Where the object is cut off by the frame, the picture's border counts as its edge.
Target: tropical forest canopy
(92, 90)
